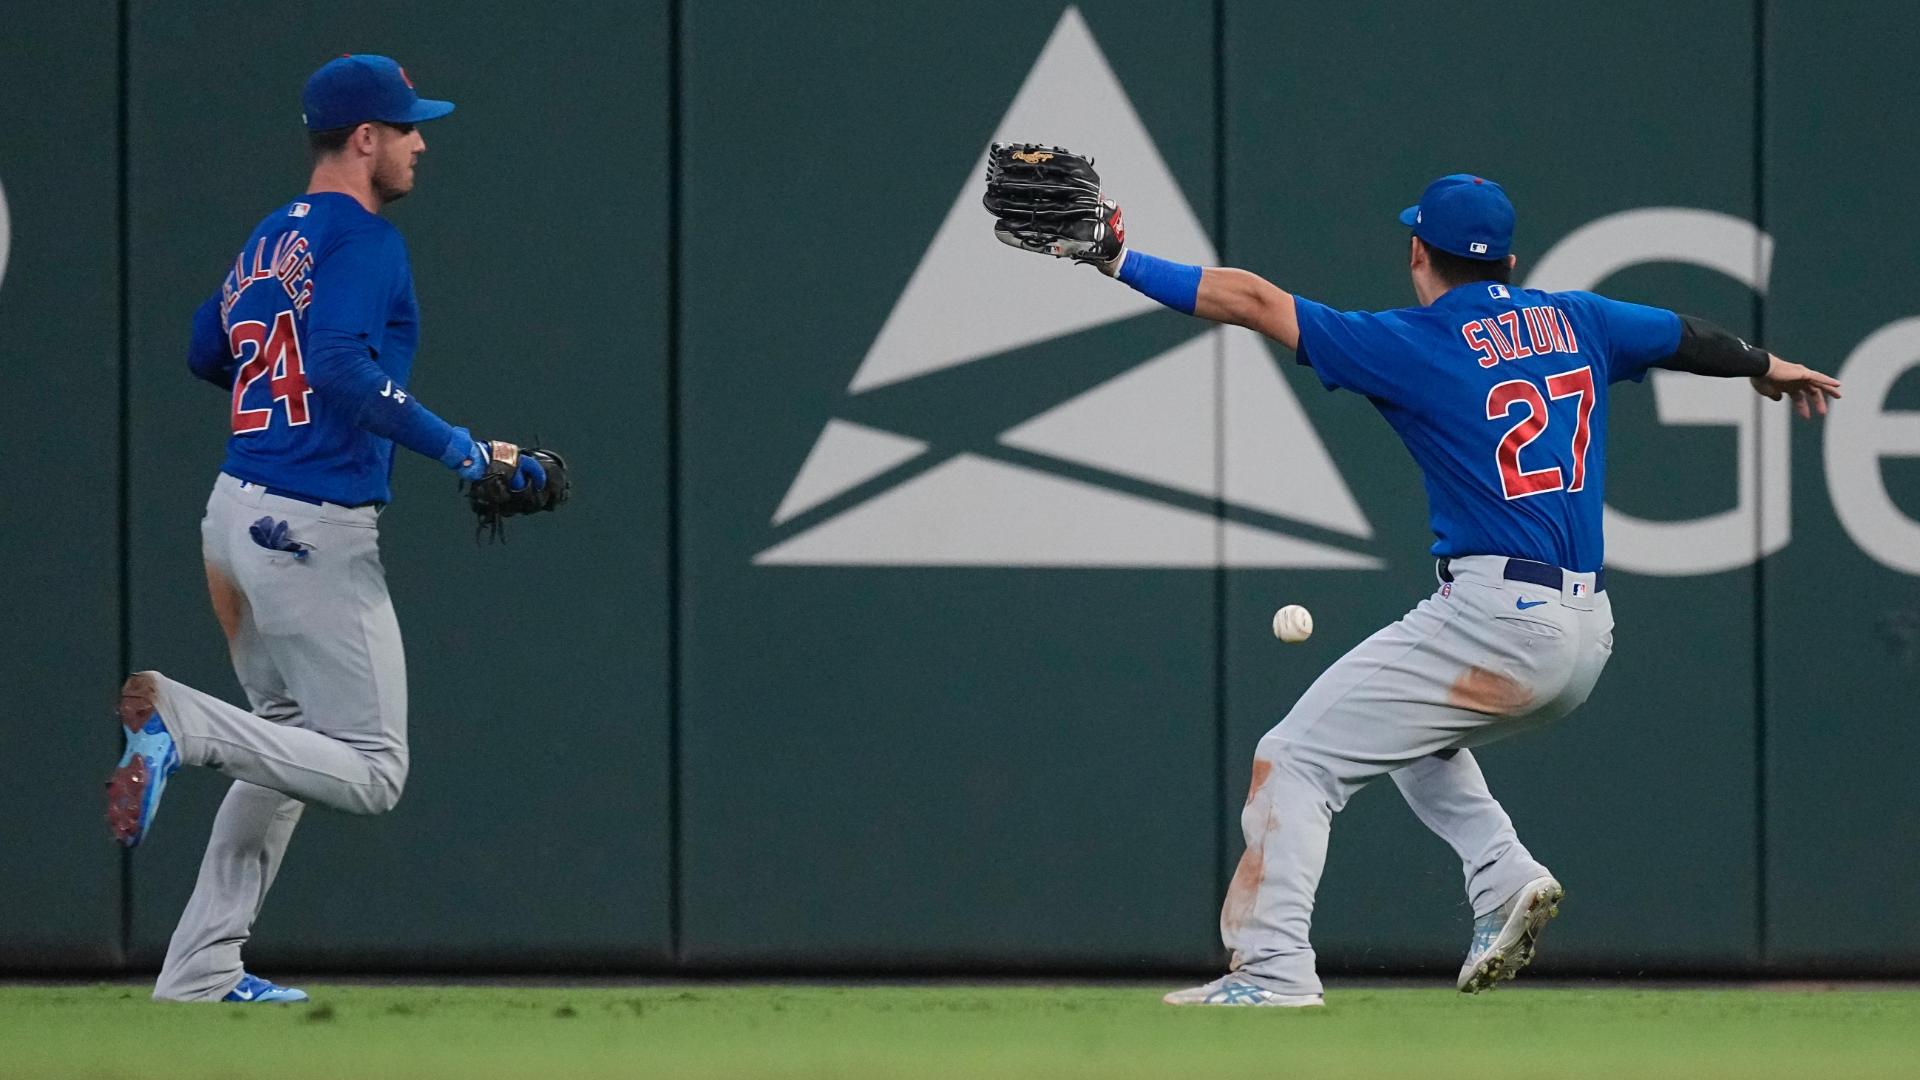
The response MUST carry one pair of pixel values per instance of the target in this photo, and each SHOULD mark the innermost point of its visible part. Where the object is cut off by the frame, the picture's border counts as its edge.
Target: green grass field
(716, 1030)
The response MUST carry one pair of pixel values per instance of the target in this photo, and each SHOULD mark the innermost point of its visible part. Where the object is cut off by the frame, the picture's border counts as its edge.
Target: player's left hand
(517, 481)
(1808, 388)
(1048, 201)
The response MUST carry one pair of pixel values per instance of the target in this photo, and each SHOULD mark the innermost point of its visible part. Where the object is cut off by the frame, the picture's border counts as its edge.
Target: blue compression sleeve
(1176, 285)
(341, 370)
(207, 354)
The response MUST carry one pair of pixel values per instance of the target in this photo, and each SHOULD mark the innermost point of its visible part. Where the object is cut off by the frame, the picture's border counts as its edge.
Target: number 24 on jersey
(274, 355)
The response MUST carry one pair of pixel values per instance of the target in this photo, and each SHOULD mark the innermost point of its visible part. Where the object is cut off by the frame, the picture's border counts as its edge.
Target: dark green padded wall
(1841, 635)
(910, 764)
(60, 395)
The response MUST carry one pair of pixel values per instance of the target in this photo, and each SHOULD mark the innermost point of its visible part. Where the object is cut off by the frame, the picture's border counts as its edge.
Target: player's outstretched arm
(1244, 298)
(1048, 201)
(1219, 294)
(1707, 349)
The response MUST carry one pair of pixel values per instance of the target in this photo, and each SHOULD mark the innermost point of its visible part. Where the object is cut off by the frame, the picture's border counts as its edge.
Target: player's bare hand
(1809, 389)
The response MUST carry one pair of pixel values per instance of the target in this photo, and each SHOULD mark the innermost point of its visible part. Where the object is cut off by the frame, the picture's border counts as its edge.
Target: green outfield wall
(911, 612)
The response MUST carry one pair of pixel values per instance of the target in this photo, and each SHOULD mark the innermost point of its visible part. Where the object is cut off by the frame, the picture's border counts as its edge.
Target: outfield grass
(968, 1031)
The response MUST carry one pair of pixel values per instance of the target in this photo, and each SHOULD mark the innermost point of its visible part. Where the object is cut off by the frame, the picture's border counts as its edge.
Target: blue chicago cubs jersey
(320, 266)
(1500, 394)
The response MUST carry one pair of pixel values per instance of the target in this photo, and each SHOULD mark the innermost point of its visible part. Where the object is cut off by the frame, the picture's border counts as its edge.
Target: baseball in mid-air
(1292, 624)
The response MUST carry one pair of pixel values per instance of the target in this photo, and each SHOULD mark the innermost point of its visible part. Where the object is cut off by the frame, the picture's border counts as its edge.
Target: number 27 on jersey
(1521, 395)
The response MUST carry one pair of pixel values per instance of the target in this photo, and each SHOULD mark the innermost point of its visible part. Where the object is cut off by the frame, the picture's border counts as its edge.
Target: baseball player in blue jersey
(1500, 394)
(311, 336)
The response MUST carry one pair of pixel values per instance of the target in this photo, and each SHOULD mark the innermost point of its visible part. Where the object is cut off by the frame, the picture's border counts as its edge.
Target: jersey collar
(1474, 291)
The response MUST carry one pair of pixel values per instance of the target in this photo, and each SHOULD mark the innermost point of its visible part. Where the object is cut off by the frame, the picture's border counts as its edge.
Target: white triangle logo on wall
(1210, 419)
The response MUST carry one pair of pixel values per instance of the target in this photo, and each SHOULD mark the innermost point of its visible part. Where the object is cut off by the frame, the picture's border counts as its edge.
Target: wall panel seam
(1759, 301)
(676, 74)
(124, 422)
(1217, 818)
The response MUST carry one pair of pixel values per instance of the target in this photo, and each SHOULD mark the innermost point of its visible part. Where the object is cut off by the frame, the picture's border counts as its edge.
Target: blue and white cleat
(1504, 939)
(256, 989)
(1231, 989)
(133, 789)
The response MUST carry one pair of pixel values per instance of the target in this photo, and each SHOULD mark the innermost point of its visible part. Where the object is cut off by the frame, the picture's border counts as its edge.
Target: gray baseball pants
(317, 649)
(1479, 660)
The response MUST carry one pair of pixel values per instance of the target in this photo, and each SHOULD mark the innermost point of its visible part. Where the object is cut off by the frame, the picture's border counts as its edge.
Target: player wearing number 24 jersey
(310, 338)
(319, 303)
(1500, 394)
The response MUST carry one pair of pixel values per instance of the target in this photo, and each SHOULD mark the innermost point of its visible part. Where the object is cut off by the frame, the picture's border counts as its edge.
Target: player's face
(396, 149)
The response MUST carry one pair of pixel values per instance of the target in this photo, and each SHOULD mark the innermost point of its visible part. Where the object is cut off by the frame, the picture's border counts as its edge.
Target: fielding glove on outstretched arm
(505, 481)
(1048, 200)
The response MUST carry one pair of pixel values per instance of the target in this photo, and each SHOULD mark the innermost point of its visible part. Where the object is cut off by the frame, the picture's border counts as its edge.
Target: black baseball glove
(1048, 200)
(543, 485)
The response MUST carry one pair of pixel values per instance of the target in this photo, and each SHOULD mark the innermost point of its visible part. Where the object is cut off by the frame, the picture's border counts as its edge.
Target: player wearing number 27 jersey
(1500, 394)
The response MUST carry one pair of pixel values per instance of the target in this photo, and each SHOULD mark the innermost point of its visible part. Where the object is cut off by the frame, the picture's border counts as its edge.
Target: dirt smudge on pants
(1252, 871)
(1483, 691)
(227, 601)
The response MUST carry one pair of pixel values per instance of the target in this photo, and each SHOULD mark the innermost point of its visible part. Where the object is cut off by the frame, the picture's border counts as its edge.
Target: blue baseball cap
(1467, 215)
(359, 87)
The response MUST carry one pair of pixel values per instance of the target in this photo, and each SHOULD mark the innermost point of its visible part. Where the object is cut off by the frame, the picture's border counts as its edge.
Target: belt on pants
(298, 496)
(1533, 573)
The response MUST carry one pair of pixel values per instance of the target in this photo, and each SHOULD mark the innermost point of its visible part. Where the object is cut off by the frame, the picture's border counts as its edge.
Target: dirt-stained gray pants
(1479, 660)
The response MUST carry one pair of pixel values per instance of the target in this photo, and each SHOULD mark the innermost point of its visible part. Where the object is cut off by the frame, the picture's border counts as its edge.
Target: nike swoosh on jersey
(1525, 604)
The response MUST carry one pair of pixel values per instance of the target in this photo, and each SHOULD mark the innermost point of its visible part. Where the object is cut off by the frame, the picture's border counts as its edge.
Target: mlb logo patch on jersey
(1499, 292)
(298, 209)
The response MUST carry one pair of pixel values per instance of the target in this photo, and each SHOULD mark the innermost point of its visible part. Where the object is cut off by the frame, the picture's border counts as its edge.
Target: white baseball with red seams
(1293, 624)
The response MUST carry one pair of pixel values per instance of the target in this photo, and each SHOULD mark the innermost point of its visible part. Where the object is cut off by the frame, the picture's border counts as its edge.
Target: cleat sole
(126, 794)
(1502, 964)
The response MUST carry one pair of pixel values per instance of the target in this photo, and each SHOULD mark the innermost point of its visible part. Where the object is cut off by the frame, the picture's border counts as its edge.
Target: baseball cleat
(133, 789)
(1504, 939)
(256, 989)
(1231, 989)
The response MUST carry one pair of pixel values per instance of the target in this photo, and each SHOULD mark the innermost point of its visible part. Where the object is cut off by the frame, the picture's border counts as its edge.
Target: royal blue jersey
(1500, 394)
(320, 282)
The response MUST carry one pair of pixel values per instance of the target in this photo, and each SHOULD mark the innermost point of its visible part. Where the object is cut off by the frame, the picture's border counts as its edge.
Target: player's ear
(1513, 261)
(1415, 254)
